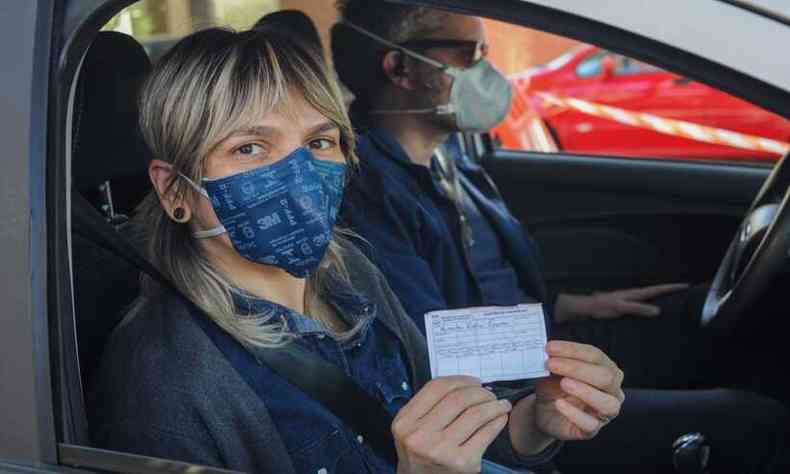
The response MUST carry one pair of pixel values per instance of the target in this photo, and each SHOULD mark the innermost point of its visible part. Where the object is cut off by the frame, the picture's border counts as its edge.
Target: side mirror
(607, 67)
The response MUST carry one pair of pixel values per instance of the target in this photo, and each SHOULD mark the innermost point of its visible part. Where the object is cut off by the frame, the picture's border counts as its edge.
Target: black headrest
(294, 23)
(107, 144)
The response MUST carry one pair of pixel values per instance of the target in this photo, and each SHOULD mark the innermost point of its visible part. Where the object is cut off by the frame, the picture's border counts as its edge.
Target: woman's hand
(581, 396)
(447, 426)
(613, 304)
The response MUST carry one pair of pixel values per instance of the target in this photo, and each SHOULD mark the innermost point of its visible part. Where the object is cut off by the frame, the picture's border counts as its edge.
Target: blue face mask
(280, 214)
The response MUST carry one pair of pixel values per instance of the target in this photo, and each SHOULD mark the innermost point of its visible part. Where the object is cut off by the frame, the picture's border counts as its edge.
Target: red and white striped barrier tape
(678, 128)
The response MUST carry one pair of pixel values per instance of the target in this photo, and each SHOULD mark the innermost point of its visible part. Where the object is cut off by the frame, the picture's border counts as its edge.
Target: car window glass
(576, 98)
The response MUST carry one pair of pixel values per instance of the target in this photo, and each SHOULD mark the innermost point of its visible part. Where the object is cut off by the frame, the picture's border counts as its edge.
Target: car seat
(109, 175)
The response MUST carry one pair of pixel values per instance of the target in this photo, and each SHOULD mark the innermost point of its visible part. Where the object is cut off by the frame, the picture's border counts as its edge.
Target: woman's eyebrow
(321, 128)
(259, 130)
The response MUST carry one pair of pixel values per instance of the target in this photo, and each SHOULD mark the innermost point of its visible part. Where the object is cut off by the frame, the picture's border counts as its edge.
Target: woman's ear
(394, 65)
(162, 177)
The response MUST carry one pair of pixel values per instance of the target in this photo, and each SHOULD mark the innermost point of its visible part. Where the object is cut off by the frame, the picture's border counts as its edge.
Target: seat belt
(319, 379)
(451, 183)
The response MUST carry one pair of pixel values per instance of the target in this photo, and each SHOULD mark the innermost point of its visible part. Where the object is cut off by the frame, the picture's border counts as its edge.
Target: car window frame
(668, 58)
(82, 21)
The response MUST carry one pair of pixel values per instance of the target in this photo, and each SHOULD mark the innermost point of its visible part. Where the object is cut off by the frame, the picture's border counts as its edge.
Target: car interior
(113, 69)
(601, 222)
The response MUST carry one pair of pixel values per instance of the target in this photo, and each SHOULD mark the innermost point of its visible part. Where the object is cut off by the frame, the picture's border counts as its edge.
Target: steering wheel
(759, 251)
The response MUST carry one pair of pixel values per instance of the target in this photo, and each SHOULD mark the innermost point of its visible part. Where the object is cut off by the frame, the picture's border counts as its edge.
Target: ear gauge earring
(180, 215)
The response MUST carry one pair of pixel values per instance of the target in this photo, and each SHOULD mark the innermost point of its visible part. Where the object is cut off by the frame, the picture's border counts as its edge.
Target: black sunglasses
(474, 50)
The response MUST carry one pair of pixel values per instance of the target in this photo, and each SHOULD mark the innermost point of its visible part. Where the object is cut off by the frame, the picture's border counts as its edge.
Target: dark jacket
(413, 230)
(164, 389)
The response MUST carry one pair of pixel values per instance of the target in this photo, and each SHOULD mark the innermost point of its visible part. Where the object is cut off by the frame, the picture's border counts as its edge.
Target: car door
(605, 223)
(27, 436)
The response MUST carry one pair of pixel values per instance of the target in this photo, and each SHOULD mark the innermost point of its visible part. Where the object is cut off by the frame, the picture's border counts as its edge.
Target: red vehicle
(540, 118)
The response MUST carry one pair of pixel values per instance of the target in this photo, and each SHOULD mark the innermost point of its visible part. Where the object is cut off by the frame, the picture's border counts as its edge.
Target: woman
(252, 147)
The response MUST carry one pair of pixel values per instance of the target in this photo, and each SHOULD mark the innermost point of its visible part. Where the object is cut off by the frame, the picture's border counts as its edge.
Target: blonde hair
(211, 83)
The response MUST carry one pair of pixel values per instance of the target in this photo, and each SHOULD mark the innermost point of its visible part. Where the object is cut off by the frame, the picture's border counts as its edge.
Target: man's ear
(162, 177)
(397, 69)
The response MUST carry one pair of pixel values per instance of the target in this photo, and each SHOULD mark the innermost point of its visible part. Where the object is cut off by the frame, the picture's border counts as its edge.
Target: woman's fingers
(483, 437)
(431, 394)
(603, 403)
(587, 424)
(604, 377)
(445, 457)
(575, 350)
(474, 419)
(449, 424)
(456, 404)
(591, 383)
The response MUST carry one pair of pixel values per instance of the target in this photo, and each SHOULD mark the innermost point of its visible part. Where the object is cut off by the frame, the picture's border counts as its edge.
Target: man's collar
(387, 142)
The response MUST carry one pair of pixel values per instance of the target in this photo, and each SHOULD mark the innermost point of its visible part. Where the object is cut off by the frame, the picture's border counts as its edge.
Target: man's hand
(613, 304)
(447, 426)
(581, 396)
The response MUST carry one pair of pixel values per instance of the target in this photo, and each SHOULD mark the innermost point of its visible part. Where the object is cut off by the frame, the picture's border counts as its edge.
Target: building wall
(515, 48)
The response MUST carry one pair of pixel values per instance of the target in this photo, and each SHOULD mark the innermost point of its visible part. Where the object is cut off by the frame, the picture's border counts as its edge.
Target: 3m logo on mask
(266, 223)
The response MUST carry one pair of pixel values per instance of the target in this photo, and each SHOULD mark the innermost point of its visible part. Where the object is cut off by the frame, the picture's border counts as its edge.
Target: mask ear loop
(194, 185)
(396, 46)
(208, 234)
(203, 234)
(446, 109)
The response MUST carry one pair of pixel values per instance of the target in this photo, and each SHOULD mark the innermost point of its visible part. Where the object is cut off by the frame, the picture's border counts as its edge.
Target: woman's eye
(250, 150)
(322, 144)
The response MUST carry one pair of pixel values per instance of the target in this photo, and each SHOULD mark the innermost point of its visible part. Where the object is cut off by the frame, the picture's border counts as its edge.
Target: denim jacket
(315, 438)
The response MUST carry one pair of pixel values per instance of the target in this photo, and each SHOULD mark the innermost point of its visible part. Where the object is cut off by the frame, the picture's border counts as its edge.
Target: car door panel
(606, 223)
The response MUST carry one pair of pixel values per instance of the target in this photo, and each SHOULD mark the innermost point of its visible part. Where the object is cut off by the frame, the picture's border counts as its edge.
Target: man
(444, 238)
